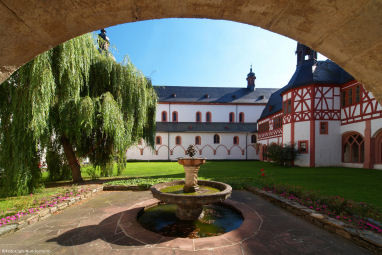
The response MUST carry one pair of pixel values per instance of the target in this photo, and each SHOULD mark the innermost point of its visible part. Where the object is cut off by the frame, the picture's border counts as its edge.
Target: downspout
(246, 146)
(168, 134)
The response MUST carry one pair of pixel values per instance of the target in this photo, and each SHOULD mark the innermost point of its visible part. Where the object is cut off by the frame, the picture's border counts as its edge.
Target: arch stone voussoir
(347, 31)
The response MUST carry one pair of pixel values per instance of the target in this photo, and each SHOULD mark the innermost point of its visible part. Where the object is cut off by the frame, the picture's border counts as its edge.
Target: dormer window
(173, 95)
(260, 97)
(207, 96)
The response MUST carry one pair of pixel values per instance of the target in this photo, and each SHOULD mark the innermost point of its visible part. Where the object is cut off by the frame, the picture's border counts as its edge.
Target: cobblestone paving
(91, 228)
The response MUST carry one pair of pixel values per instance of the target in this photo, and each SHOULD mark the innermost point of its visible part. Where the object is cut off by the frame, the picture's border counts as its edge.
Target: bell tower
(251, 80)
(305, 53)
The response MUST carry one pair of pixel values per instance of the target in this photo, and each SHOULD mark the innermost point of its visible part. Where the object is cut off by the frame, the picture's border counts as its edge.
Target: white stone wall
(287, 133)
(376, 125)
(328, 146)
(357, 127)
(219, 113)
(302, 133)
(225, 150)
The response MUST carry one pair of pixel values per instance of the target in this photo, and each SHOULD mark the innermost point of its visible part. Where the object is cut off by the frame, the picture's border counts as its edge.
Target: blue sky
(202, 52)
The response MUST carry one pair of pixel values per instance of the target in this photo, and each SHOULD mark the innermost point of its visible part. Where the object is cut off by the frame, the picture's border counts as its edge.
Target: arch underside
(347, 31)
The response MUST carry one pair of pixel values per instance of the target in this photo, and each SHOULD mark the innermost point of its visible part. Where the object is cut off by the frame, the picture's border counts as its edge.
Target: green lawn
(361, 185)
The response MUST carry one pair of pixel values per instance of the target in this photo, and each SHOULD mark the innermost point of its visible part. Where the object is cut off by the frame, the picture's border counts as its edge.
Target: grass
(360, 185)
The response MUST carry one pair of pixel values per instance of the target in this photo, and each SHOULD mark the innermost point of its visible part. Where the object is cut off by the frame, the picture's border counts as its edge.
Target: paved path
(90, 228)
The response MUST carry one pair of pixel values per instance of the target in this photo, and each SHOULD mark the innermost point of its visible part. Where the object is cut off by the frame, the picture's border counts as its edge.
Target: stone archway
(347, 31)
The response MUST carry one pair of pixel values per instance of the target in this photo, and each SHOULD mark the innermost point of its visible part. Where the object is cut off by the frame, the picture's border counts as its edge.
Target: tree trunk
(72, 159)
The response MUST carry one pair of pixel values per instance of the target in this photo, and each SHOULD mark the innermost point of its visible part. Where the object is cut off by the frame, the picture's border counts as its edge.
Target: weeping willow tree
(70, 101)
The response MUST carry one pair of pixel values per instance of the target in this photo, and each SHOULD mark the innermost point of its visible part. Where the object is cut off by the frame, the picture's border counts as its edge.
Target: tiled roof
(326, 72)
(212, 94)
(216, 127)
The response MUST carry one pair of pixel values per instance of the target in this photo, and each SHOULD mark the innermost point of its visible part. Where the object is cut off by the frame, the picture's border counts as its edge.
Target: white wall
(287, 133)
(302, 132)
(328, 147)
(207, 147)
(219, 113)
(376, 125)
(358, 127)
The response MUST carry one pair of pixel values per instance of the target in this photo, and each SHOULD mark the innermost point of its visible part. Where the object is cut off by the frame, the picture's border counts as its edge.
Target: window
(288, 106)
(264, 127)
(158, 140)
(216, 139)
(253, 139)
(231, 117)
(164, 116)
(198, 140)
(351, 96)
(236, 140)
(323, 127)
(198, 117)
(241, 117)
(357, 94)
(277, 122)
(303, 146)
(353, 148)
(208, 117)
(343, 99)
(175, 116)
(178, 140)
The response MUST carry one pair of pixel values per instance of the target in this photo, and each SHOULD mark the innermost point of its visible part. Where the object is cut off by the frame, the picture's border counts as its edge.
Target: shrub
(281, 154)
(92, 172)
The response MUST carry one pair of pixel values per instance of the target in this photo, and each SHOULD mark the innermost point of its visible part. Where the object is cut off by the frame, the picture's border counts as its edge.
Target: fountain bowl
(190, 207)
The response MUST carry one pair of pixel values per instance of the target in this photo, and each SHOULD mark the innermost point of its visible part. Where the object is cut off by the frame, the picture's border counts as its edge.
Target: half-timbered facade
(220, 122)
(326, 114)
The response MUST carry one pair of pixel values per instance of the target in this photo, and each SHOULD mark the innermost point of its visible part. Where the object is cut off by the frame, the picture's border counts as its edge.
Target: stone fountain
(190, 197)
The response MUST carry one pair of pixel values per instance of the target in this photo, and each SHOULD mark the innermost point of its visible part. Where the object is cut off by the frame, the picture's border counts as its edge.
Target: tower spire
(302, 51)
(251, 80)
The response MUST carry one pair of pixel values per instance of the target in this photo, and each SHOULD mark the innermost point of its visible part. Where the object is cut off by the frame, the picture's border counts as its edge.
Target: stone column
(191, 179)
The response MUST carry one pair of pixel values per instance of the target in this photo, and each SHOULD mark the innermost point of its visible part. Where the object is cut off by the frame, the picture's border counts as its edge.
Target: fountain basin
(190, 207)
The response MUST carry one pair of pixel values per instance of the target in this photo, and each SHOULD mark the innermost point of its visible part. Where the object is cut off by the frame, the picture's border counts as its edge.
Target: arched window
(216, 139)
(208, 117)
(158, 140)
(253, 139)
(198, 116)
(236, 140)
(241, 117)
(198, 140)
(175, 116)
(353, 148)
(178, 140)
(164, 116)
(231, 117)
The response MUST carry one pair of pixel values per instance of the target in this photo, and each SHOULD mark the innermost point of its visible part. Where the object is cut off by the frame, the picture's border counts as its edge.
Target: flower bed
(45, 208)
(359, 214)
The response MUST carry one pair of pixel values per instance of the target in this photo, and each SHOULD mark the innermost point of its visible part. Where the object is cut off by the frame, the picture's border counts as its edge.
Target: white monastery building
(323, 111)
(328, 115)
(221, 122)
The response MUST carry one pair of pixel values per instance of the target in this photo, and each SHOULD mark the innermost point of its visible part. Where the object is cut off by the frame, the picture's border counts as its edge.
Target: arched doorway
(351, 33)
(378, 147)
(353, 148)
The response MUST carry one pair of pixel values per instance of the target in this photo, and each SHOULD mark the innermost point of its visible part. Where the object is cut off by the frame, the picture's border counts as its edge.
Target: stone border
(364, 238)
(46, 212)
(130, 226)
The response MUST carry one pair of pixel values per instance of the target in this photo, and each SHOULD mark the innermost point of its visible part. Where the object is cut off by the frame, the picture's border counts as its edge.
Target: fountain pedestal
(191, 167)
(189, 212)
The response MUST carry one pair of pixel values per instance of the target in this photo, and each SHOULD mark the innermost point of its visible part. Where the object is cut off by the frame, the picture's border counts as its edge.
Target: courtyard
(92, 228)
